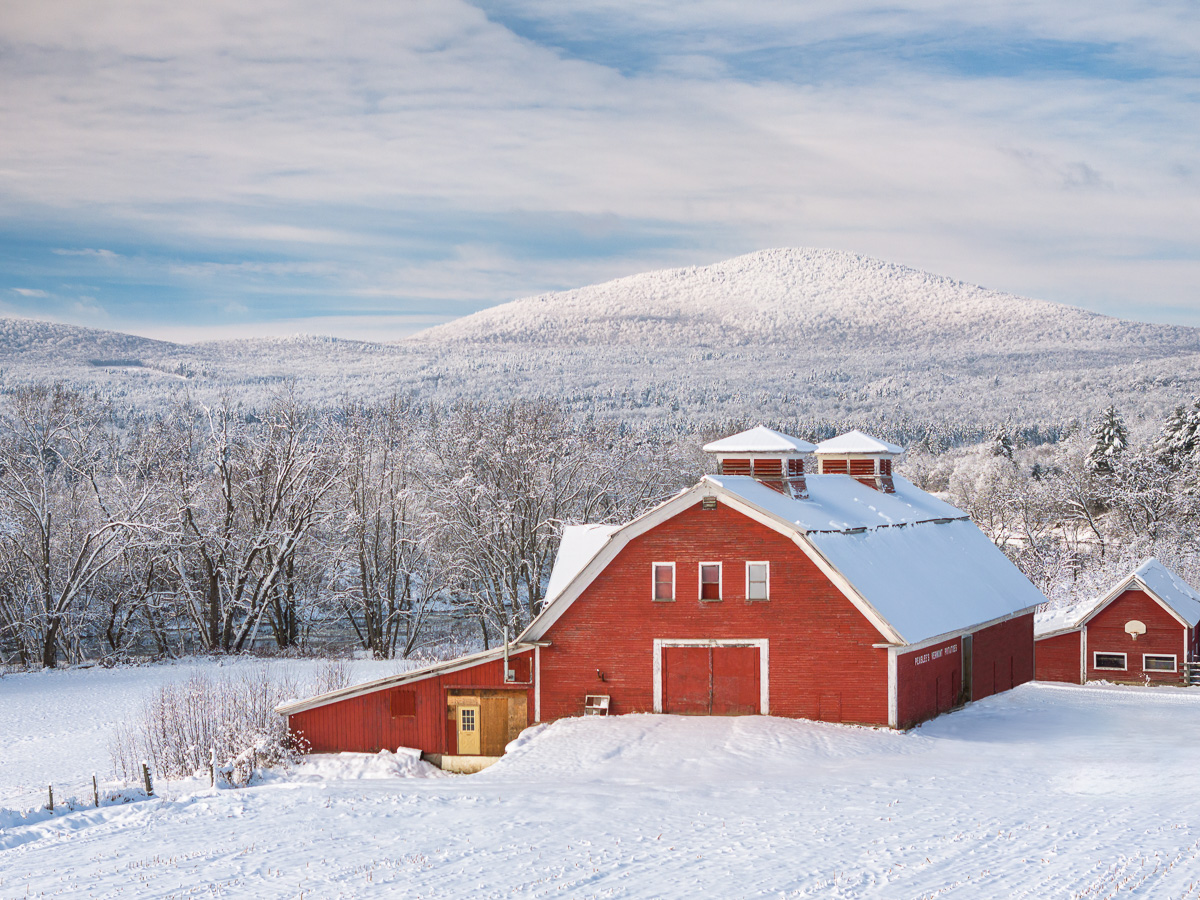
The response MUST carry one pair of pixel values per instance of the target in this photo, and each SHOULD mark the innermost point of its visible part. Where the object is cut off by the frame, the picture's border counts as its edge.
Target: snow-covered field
(1048, 791)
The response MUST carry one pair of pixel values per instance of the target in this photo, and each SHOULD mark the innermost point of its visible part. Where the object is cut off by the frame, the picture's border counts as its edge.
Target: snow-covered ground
(1048, 791)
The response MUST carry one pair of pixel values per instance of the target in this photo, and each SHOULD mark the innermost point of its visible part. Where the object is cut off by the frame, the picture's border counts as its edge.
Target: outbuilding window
(758, 581)
(1158, 663)
(664, 581)
(710, 581)
(1114, 661)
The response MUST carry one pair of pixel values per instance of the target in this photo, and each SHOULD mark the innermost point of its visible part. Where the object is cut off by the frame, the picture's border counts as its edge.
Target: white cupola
(865, 459)
(775, 459)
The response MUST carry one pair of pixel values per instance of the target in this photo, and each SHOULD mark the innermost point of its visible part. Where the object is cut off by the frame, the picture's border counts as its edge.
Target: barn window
(758, 581)
(1115, 661)
(664, 581)
(404, 703)
(710, 581)
(1158, 663)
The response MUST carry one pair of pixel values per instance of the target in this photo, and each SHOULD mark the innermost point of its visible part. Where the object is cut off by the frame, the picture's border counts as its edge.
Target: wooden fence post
(51, 806)
(146, 778)
(213, 765)
(95, 791)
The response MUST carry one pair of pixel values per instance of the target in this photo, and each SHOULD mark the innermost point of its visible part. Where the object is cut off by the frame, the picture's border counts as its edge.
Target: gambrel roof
(1169, 590)
(914, 565)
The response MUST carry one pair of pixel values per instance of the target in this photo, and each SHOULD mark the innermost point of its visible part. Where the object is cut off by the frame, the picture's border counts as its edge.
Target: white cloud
(200, 122)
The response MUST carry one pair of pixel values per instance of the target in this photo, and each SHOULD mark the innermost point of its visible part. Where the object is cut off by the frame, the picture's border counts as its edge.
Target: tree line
(213, 528)
(220, 528)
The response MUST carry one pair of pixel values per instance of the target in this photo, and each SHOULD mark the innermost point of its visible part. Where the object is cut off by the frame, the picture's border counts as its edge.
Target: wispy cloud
(383, 157)
(106, 255)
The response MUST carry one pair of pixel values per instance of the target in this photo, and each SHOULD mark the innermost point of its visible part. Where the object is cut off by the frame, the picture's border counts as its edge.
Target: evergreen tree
(1002, 442)
(1112, 439)
(1178, 441)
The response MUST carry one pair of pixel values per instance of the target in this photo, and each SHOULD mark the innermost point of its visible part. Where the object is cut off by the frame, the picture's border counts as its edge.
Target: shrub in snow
(183, 723)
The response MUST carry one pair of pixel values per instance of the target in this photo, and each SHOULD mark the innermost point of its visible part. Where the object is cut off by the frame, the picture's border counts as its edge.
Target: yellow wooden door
(468, 730)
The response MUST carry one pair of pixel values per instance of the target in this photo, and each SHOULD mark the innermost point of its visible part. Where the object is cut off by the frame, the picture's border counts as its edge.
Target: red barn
(1143, 630)
(848, 595)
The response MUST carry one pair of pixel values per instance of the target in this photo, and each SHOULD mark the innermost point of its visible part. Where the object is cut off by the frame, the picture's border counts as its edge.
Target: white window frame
(1171, 656)
(766, 565)
(1099, 668)
(720, 581)
(654, 582)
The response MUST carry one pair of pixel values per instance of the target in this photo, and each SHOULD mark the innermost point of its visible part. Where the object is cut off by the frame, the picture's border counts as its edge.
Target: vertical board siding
(1164, 636)
(819, 642)
(365, 724)
(1003, 656)
(1058, 658)
(928, 682)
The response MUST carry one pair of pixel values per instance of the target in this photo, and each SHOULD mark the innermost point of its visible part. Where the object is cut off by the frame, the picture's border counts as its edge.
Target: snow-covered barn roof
(857, 442)
(760, 440)
(579, 545)
(366, 687)
(1171, 591)
(914, 565)
(838, 503)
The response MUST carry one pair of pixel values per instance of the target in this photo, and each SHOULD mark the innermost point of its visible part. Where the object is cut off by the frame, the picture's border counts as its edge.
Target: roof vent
(866, 459)
(768, 456)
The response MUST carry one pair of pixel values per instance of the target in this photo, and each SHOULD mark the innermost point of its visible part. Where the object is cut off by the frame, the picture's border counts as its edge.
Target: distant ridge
(774, 335)
(788, 296)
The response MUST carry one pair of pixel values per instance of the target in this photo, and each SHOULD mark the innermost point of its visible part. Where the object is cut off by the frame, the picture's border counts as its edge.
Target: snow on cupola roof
(760, 440)
(857, 442)
(862, 457)
(774, 458)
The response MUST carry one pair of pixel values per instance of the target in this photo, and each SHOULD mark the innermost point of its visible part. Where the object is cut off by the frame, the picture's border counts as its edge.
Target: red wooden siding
(834, 467)
(365, 723)
(1003, 656)
(735, 467)
(1164, 636)
(928, 682)
(1058, 658)
(821, 659)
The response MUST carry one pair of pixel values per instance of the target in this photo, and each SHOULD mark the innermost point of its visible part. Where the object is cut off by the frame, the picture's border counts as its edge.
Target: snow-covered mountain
(827, 333)
(806, 300)
(779, 334)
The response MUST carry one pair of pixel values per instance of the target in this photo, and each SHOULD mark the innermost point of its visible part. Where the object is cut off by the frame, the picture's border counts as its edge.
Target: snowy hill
(803, 299)
(779, 334)
(822, 332)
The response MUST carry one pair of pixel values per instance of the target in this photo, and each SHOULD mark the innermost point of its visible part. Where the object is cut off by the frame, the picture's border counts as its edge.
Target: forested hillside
(811, 336)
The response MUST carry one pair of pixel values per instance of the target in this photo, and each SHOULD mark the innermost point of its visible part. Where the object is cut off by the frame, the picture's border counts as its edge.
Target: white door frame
(764, 665)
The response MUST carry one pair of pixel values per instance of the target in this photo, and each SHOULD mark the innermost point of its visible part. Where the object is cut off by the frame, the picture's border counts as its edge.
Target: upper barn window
(710, 581)
(758, 581)
(664, 581)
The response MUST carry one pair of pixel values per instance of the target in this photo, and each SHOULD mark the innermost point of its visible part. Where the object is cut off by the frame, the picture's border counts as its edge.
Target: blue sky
(197, 170)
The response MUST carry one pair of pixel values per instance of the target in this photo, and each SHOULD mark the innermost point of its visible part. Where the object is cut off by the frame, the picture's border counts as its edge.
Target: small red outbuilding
(846, 595)
(1143, 630)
